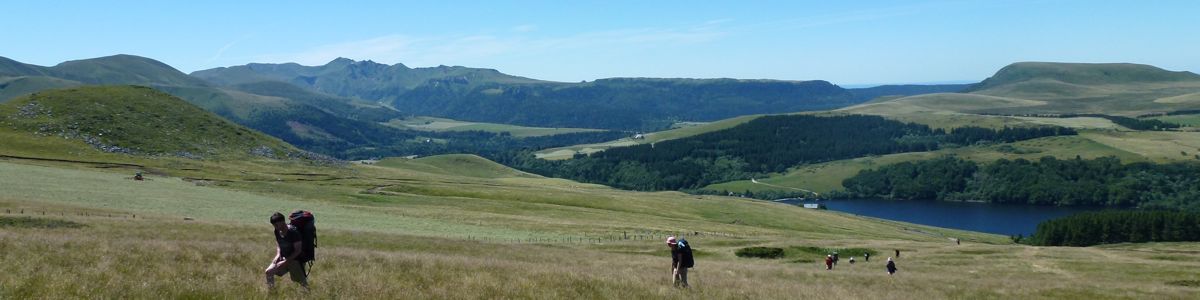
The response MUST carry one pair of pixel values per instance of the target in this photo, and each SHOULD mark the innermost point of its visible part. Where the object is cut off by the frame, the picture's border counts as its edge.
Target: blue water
(1006, 219)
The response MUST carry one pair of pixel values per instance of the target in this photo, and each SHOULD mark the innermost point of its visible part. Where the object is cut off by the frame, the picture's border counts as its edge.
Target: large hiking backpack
(685, 249)
(306, 224)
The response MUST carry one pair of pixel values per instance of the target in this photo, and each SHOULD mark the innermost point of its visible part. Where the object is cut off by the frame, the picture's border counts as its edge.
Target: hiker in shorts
(287, 253)
(679, 268)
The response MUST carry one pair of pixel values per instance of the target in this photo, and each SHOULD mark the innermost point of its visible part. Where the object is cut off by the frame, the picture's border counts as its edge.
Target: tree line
(1110, 227)
(1047, 181)
(764, 145)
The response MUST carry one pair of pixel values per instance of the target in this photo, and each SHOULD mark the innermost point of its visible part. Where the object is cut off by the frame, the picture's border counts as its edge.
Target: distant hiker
(897, 254)
(851, 260)
(866, 256)
(891, 266)
(138, 176)
(835, 258)
(829, 262)
(287, 254)
(681, 261)
(957, 241)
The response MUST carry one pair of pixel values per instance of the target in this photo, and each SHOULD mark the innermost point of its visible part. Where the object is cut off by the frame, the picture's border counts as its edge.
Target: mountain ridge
(488, 95)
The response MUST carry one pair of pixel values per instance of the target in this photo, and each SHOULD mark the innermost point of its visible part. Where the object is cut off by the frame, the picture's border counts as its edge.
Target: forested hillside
(764, 145)
(1048, 181)
(1112, 227)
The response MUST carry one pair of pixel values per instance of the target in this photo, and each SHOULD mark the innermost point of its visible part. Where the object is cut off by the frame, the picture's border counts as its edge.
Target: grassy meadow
(442, 124)
(653, 137)
(1185, 120)
(462, 227)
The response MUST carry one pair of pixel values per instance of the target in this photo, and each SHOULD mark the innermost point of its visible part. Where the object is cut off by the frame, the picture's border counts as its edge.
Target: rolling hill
(135, 120)
(1041, 88)
(319, 122)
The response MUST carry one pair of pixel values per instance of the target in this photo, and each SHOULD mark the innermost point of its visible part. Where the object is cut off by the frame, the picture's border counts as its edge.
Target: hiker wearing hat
(287, 254)
(681, 261)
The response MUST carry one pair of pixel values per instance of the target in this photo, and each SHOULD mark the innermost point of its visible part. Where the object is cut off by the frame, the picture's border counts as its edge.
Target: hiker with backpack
(681, 261)
(295, 244)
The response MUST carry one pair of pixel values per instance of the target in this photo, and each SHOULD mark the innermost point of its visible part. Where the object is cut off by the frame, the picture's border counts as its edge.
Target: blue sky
(863, 42)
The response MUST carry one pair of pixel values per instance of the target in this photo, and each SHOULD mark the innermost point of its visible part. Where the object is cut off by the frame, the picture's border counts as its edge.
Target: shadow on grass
(31, 222)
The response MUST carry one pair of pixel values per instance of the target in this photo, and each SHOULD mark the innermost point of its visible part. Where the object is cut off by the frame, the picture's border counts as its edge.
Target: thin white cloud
(221, 52)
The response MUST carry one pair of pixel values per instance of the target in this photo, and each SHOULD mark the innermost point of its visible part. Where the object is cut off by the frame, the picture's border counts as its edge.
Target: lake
(1006, 219)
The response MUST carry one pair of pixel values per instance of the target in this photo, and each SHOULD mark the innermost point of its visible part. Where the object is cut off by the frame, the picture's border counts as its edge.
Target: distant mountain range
(486, 95)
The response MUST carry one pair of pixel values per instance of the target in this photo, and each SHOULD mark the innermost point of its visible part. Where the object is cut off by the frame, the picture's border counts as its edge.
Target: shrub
(760, 252)
(1191, 283)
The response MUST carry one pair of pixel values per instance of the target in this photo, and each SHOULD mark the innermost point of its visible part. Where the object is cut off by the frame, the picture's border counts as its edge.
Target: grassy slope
(1185, 120)
(1040, 88)
(653, 137)
(138, 118)
(124, 69)
(441, 124)
(429, 234)
(12, 87)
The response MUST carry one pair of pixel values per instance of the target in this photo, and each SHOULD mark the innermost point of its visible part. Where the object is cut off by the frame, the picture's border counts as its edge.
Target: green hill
(1082, 74)
(125, 69)
(135, 120)
(1039, 88)
(9, 67)
(11, 87)
(314, 121)
(457, 165)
